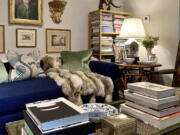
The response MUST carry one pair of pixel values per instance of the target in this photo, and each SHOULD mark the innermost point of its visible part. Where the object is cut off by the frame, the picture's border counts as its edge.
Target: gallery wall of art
(75, 18)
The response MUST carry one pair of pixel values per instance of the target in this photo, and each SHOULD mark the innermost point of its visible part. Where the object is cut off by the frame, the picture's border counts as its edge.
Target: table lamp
(132, 29)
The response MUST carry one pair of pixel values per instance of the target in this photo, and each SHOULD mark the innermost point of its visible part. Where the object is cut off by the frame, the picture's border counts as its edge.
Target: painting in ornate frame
(26, 37)
(2, 38)
(58, 40)
(19, 14)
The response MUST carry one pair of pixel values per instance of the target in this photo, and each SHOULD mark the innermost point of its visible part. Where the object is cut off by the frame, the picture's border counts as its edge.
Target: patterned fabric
(3, 73)
(25, 66)
(99, 110)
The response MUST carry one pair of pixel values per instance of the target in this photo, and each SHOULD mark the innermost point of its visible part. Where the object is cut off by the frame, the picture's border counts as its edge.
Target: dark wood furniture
(141, 72)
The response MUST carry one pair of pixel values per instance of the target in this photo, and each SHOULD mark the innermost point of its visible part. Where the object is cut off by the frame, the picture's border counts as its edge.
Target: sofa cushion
(25, 66)
(15, 95)
(76, 61)
(3, 73)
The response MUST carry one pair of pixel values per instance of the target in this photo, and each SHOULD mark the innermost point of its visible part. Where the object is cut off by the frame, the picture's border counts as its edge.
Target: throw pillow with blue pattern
(25, 66)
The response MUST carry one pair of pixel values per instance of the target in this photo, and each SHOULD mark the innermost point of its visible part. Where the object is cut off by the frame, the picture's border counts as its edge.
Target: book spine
(63, 122)
(31, 124)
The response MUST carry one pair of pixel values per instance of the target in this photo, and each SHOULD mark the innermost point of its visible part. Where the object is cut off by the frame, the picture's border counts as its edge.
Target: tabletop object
(118, 124)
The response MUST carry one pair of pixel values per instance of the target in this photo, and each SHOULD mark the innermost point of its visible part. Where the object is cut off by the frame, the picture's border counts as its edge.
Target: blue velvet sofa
(14, 95)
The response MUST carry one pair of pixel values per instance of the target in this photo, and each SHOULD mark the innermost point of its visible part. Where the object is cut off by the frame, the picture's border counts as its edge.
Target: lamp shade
(132, 28)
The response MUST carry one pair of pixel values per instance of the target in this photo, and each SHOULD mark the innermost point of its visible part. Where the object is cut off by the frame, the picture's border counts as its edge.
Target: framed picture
(58, 40)
(2, 39)
(26, 12)
(25, 37)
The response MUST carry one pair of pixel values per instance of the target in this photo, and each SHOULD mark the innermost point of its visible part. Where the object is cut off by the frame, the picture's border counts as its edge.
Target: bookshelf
(97, 32)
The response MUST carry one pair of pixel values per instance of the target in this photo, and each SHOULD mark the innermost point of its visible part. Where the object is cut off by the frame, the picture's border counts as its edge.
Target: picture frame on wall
(26, 12)
(58, 40)
(26, 37)
(2, 38)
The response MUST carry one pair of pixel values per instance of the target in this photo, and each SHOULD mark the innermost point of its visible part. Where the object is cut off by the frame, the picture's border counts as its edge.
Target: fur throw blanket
(77, 83)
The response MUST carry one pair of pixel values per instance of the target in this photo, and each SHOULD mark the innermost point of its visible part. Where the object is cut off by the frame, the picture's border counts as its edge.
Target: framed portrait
(25, 37)
(58, 40)
(2, 39)
(26, 12)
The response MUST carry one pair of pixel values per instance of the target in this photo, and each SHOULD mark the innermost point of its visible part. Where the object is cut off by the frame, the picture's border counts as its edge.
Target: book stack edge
(152, 103)
(50, 117)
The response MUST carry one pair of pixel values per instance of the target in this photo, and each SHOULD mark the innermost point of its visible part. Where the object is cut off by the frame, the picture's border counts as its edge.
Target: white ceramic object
(129, 60)
(146, 62)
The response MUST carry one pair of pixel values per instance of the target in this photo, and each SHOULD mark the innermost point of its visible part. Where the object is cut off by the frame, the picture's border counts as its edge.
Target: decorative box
(118, 125)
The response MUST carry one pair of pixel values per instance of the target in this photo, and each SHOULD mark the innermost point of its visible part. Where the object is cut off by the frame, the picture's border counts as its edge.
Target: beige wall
(164, 23)
(75, 17)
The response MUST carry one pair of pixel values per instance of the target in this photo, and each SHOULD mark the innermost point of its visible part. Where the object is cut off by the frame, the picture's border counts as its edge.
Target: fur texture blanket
(78, 83)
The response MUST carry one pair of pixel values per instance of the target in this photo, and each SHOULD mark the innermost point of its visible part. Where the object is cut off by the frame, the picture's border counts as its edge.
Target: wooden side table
(144, 71)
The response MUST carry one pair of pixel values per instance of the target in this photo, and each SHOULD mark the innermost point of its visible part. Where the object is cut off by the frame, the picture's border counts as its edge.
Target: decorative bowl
(146, 62)
(129, 60)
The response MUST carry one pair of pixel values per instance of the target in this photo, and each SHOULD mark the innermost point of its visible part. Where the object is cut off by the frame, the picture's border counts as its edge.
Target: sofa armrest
(105, 68)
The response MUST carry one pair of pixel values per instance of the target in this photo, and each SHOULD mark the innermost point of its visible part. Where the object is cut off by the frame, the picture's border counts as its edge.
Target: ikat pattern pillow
(3, 73)
(26, 66)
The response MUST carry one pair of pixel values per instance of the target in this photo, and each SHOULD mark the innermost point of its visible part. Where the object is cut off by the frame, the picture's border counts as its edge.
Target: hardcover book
(151, 89)
(80, 128)
(159, 114)
(157, 104)
(56, 113)
(24, 132)
(159, 123)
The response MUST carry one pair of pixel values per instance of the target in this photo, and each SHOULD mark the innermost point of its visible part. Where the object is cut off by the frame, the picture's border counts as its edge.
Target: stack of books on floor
(107, 22)
(51, 117)
(154, 104)
(118, 21)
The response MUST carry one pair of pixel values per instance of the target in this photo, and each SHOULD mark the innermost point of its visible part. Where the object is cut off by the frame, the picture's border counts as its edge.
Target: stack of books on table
(50, 117)
(154, 104)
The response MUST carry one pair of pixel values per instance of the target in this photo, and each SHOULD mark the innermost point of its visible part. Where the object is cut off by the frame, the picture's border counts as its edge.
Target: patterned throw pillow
(3, 73)
(25, 66)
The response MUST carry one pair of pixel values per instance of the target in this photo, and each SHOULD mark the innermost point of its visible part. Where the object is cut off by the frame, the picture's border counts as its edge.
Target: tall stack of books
(95, 21)
(154, 104)
(106, 41)
(118, 21)
(107, 22)
(52, 116)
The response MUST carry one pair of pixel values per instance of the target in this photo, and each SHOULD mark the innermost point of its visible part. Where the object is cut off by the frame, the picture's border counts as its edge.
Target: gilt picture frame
(2, 38)
(25, 38)
(26, 12)
(58, 40)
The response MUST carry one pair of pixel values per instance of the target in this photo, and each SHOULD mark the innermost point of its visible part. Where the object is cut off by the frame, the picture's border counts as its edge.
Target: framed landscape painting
(25, 37)
(26, 12)
(2, 39)
(58, 40)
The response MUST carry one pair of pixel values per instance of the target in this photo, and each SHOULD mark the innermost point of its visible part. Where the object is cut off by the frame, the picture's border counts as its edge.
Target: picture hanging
(58, 40)
(26, 12)
(2, 39)
(26, 37)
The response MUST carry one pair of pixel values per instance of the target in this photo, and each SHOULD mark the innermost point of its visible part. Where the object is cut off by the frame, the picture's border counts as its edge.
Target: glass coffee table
(14, 128)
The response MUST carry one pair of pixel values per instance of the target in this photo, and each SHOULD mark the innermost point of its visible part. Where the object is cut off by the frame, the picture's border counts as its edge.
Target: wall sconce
(56, 9)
